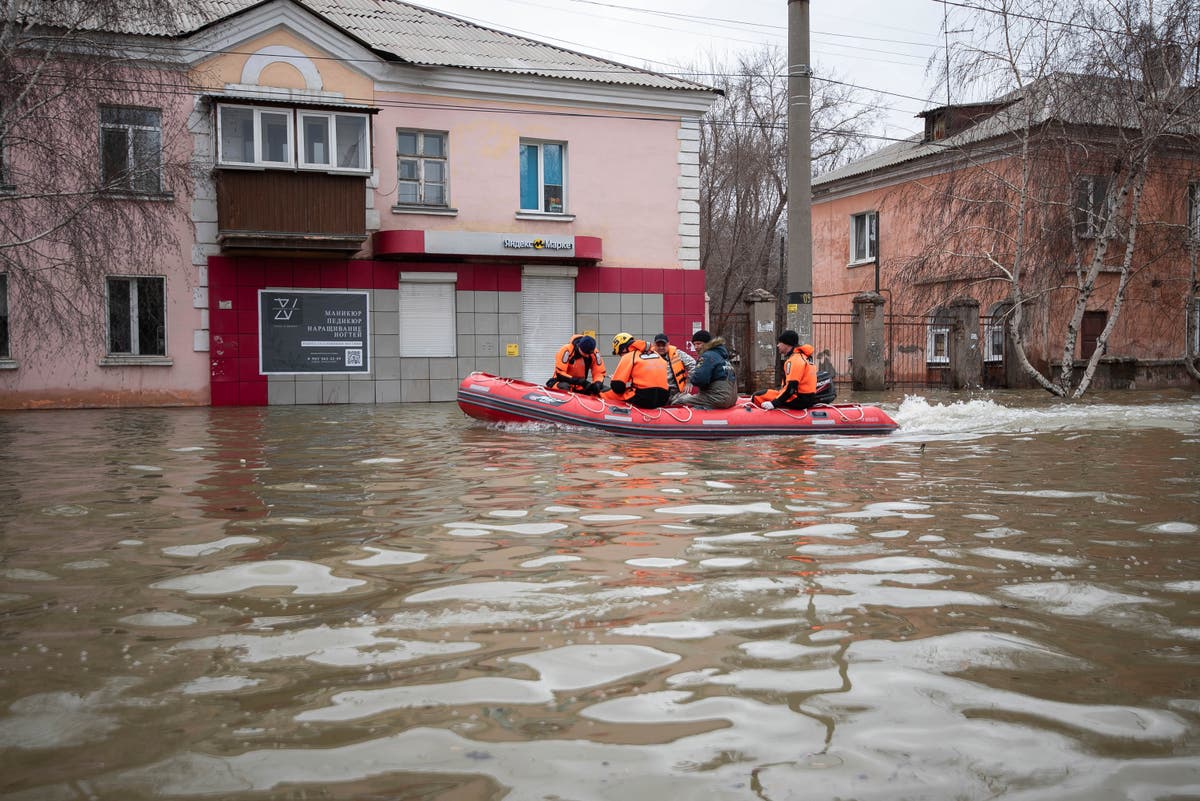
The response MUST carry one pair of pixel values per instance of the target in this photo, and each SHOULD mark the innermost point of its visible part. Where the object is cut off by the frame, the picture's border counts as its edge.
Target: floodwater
(398, 602)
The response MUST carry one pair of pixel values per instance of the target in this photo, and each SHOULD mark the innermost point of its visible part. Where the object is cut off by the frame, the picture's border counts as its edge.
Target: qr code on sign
(354, 357)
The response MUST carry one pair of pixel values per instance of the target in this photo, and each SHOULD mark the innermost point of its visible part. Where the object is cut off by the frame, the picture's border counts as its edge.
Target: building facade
(384, 202)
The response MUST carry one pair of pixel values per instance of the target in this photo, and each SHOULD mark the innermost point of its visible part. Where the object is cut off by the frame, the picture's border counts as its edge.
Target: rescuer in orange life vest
(578, 367)
(641, 376)
(799, 387)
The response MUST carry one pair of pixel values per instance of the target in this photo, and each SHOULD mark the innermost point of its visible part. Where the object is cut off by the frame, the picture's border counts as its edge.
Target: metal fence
(917, 351)
(833, 344)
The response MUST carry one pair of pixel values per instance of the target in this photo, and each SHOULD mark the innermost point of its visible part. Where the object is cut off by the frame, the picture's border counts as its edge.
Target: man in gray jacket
(714, 376)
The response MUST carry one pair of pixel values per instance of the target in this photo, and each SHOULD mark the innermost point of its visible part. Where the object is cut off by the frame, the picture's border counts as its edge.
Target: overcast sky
(883, 45)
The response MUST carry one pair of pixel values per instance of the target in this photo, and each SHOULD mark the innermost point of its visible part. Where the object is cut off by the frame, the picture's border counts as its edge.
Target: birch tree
(1049, 198)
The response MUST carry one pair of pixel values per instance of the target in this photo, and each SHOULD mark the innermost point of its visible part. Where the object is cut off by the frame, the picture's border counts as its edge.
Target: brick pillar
(966, 358)
(868, 370)
(760, 308)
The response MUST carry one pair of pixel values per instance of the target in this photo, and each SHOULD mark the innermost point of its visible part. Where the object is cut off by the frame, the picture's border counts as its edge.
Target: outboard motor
(825, 389)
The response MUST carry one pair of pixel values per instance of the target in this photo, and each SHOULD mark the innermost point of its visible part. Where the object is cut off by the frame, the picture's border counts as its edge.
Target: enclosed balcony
(294, 211)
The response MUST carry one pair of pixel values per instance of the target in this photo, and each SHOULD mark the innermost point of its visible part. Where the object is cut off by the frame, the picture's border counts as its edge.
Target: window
(1195, 327)
(1091, 206)
(137, 316)
(427, 315)
(255, 136)
(994, 332)
(265, 137)
(543, 171)
(4, 350)
(333, 141)
(1193, 207)
(421, 168)
(937, 338)
(131, 149)
(864, 235)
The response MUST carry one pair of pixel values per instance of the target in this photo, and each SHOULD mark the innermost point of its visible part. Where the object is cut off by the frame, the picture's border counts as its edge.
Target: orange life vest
(571, 364)
(639, 371)
(677, 367)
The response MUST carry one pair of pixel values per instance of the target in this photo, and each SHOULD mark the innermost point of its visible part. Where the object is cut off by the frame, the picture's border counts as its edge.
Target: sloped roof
(409, 33)
(1067, 98)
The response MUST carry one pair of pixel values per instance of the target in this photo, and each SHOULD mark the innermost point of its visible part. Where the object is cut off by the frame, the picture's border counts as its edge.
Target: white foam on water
(998, 533)
(130, 542)
(386, 556)
(890, 535)
(718, 485)
(209, 548)
(930, 538)
(534, 529)
(87, 564)
(187, 449)
(715, 510)
(57, 719)
(562, 509)
(1071, 598)
(159, 620)
(981, 517)
(551, 560)
(671, 490)
(65, 510)
(917, 416)
(508, 513)
(739, 538)
(614, 473)
(491, 591)
(1173, 527)
(574, 667)
(893, 564)
(346, 646)
(700, 629)
(654, 561)
(830, 531)
(674, 473)
(780, 650)
(145, 468)
(26, 574)
(608, 518)
(1024, 557)
(904, 509)
(726, 561)
(1182, 586)
(829, 549)
(383, 460)
(305, 578)
(218, 684)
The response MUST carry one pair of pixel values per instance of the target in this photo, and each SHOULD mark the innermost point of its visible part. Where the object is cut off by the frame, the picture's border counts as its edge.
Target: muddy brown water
(998, 601)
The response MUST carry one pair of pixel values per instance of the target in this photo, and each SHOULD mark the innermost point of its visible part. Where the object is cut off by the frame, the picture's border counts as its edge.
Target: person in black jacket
(714, 376)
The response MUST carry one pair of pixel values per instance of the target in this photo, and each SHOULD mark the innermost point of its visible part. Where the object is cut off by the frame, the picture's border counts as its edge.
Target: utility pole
(799, 316)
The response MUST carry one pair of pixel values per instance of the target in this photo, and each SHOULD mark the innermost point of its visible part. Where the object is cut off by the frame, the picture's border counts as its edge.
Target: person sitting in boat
(679, 363)
(714, 376)
(641, 376)
(799, 387)
(578, 367)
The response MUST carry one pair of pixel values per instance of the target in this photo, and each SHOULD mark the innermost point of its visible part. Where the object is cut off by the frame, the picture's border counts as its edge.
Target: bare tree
(1047, 197)
(743, 169)
(94, 176)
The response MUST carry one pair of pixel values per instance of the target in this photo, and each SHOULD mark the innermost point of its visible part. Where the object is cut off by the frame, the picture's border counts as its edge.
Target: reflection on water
(999, 600)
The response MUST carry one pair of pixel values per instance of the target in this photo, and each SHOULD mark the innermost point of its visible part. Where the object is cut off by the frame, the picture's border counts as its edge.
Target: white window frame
(993, 341)
(934, 333)
(256, 136)
(428, 315)
(1193, 210)
(871, 249)
(331, 118)
(135, 345)
(421, 160)
(132, 167)
(1090, 221)
(540, 144)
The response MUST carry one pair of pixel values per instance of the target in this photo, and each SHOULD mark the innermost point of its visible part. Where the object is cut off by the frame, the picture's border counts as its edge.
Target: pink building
(389, 201)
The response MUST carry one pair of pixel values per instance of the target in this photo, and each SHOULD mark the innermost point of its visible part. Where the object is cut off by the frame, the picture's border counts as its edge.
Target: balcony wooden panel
(290, 210)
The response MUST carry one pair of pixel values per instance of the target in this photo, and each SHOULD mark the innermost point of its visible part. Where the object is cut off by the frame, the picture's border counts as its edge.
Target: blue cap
(586, 344)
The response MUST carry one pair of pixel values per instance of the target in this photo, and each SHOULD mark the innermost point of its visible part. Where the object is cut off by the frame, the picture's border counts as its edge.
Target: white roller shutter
(427, 321)
(548, 320)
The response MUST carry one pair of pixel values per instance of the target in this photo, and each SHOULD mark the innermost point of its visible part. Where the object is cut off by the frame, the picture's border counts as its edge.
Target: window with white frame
(421, 168)
(993, 340)
(252, 136)
(864, 235)
(137, 316)
(5, 353)
(543, 176)
(937, 339)
(1193, 210)
(427, 315)
(1091, 205)
(333, 141)
(131, 149)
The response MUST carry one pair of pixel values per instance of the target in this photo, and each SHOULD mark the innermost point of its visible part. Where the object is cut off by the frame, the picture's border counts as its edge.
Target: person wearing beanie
(578, 367)
(679, 364)
(714, 377)
(799, 387)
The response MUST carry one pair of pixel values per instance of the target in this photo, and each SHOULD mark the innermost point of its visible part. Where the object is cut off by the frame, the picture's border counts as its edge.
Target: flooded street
(398, 602)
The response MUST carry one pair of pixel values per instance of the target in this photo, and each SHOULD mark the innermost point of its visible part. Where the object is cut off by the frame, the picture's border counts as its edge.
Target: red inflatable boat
(509, 400)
